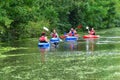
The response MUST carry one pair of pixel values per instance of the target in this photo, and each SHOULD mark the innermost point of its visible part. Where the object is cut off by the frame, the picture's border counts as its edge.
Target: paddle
(87, 28)
(62, 36)
(79, 27)
(45, 28)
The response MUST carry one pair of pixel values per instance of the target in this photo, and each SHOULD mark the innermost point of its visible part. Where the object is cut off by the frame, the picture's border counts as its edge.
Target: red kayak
(91, 36)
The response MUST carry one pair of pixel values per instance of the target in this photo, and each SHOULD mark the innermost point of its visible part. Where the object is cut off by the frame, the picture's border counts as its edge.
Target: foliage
(17, 15)
(34, 29)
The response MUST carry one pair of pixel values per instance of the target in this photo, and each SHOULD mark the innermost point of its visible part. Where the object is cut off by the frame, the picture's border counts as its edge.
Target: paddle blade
(45, 28)
(87, 27)
(62, 37)
(61, 40)
(80, 26)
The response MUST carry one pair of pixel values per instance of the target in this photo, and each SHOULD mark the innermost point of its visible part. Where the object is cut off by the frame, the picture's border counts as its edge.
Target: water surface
(69, 61)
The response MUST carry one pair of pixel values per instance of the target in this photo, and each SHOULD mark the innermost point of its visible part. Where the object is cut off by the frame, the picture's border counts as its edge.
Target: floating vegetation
(70, 67)
(7, 49)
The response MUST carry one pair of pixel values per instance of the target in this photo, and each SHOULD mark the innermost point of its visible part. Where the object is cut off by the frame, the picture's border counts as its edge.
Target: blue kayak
(43, 45)
(71, 38)
(54, 40)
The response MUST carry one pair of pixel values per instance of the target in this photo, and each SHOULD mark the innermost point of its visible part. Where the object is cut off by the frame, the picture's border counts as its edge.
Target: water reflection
(109, 40)
(90, 44)
(71, 45)
(54, 46)
(108, 45)
(43, 52)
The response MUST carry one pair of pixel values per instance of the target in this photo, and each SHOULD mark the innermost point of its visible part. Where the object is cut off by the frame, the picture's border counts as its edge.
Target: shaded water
(26, 61)
(90, 45)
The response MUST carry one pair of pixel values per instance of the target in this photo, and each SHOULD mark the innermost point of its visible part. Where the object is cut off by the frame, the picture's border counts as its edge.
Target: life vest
(42, 38)
(92, 32)
(72, 33)
(54, 35)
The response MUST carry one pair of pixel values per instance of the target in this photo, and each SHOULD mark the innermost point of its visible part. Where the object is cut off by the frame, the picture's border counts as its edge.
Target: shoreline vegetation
(22, 19)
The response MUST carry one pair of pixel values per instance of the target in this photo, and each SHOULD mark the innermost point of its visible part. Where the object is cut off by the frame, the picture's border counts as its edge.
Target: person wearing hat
(43, 38)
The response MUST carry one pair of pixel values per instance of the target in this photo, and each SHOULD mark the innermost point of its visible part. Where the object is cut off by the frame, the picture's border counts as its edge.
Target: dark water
(28, 57)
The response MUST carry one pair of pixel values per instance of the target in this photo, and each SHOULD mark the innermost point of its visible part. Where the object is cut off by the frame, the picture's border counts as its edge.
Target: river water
(90, 45)
(21, 63)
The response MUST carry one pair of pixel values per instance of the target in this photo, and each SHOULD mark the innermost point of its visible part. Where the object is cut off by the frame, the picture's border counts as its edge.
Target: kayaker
(72, 32)
(92, 31)
(54, 34)
(43, 38)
